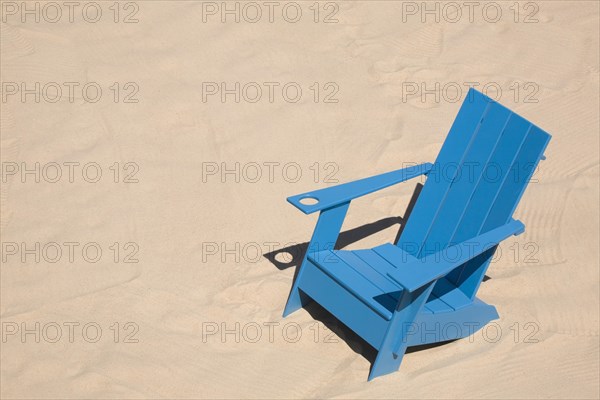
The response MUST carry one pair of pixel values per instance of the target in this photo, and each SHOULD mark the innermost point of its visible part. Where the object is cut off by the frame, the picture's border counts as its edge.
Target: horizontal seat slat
(361, 272)
(436, 305)
(356, 283)
(450, 294)
(368, 271)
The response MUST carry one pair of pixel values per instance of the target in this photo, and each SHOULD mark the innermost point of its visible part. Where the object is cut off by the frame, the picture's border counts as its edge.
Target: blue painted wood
(364, 273)
(439, 179)
(447, 292)
(530, 153)
(436, 305)
(464, 181)
(434, 328)
(345, 192)
(351, 311)
(412, 275)
(488, 187)
(325, 235)
(423, 289)
(356, 283)
(395, 341)
(373, 272)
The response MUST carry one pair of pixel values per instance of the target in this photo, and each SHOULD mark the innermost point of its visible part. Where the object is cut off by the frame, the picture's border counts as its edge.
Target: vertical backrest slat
(494, 175)
(520, 172)
(453, 150)
(466, 180)
(469, 276)
(496, 172)
(490, 153)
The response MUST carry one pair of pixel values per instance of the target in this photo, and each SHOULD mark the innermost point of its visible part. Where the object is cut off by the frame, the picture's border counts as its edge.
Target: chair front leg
(326, 232)
(395, 340)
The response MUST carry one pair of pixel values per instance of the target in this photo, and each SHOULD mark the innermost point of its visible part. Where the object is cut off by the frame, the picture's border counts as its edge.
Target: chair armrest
(413, 273)
(335, 195)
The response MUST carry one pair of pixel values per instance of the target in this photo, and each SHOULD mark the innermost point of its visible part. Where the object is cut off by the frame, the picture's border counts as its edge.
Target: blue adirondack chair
(422, 289)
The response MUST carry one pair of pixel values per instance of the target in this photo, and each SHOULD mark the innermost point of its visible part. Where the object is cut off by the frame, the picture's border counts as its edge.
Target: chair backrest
(478, 177)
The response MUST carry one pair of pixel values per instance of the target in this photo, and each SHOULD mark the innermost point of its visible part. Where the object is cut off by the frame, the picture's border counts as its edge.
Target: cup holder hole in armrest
(308, 201)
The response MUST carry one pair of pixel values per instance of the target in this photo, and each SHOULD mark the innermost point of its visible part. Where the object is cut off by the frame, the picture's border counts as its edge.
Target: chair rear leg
(325, 235)
(472, 273)
(395, 341)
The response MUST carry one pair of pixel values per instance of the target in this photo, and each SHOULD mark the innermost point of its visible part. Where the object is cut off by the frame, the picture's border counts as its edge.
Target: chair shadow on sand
(346, 238)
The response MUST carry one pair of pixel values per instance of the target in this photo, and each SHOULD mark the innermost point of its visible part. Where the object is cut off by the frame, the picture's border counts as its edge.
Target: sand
(143, 191)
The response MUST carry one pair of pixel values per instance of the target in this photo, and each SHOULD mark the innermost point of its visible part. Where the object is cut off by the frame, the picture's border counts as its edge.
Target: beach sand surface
(147, 156)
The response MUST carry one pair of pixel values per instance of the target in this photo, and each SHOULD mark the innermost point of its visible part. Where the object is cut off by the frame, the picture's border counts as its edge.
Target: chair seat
(364, 274)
